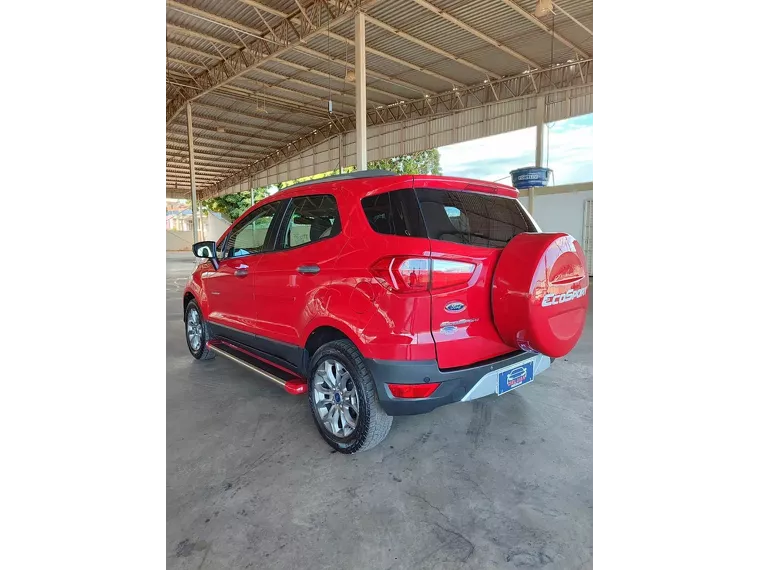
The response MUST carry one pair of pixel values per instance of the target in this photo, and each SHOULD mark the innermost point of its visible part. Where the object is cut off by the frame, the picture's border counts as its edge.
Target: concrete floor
(501, 483)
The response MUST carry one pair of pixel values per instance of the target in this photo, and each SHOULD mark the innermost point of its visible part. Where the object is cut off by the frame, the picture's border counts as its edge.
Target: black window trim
(275, 222)
(279, 240)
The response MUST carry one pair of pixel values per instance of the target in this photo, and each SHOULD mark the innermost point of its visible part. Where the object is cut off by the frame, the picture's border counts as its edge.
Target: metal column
(540, 125)
(192, 175)
(340, 157)
(360, 64)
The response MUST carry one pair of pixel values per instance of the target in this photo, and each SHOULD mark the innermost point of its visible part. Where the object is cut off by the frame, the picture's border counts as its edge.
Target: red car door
(231, 294)
(290, 278)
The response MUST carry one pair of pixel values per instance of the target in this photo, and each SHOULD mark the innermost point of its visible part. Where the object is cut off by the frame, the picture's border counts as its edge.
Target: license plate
(515, 377)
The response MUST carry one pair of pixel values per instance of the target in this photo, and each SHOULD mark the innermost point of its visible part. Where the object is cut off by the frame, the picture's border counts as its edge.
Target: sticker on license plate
(515, 377)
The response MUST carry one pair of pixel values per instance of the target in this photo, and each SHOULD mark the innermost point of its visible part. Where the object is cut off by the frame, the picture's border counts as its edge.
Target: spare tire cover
(540, 293)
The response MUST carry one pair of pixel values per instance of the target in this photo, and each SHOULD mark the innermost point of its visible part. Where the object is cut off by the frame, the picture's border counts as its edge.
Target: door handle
(241, 271)
(308, 269)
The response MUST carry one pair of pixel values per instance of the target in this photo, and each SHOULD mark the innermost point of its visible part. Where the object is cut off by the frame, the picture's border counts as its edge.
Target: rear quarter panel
(382, 325)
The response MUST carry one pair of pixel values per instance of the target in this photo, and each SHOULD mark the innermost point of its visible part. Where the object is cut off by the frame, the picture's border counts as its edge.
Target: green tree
(232, 206)
(283, 185)
(424, 162)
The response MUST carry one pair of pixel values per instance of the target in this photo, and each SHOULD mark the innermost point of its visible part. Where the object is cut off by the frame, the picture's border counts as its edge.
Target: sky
(569, 153)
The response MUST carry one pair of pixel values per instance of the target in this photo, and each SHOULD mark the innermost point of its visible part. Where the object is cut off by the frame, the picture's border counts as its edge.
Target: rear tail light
(413, 390)
(404, 274)
(446, 273)
(408, 274)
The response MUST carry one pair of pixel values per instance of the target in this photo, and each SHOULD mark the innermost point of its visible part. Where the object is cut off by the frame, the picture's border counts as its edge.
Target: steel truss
(574, 74)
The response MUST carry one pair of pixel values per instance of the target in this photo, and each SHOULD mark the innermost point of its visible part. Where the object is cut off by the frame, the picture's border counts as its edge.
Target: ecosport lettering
(551, 299)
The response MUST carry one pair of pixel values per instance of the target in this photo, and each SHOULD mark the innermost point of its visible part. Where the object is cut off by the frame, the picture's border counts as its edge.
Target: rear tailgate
(467, 226)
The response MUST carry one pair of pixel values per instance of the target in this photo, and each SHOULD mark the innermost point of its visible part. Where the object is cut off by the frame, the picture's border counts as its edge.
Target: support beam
(178, 160)
(209, 17)
(400, 61)
(521, 86)
(264, 7)
(369, 73)
(185, 63)
(267, 117)
(437, 50)
(334, 78)
(287, 105)
(283, 78)
(360, 35)
(193, 188)
(199, 36)
(214, 146)
(207, 140)
(262, 50)
(445, 15)
(575, 20)
(540, 126)
(522, 12)
(340, 152)
(216, 57)
(240, 125)
(250, 134)
(209, 169)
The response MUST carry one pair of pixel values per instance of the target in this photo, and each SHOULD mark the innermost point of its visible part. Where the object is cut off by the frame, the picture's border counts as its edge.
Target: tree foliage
(424, 162)
(232, 206)
(283, 185)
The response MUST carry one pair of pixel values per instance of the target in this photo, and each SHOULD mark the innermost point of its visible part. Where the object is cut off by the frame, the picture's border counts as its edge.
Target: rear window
(469, 218)
(394, 213)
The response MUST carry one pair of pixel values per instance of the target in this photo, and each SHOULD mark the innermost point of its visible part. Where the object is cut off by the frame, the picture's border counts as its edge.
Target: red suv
(383, 295)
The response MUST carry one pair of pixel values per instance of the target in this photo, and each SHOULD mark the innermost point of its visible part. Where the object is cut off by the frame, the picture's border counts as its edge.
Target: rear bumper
(457, 385)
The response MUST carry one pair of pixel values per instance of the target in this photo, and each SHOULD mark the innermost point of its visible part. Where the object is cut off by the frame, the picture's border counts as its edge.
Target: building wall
(178, 241)
(214, 227)
(562, 209)
(181, 240)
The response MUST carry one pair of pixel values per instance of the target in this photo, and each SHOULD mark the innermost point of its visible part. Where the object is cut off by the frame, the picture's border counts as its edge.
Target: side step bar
(290, 381)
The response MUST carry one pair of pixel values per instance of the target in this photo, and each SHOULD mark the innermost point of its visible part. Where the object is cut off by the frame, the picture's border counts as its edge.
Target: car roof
(356, 174)
(446, 182)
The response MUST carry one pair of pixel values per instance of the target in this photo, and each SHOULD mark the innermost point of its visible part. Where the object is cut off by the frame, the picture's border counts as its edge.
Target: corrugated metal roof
(283, 97)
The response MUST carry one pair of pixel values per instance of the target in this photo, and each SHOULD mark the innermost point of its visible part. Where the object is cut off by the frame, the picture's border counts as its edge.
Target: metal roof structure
(260, 76)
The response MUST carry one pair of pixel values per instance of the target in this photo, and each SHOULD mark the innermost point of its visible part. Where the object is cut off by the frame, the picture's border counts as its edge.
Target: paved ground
(502, 483)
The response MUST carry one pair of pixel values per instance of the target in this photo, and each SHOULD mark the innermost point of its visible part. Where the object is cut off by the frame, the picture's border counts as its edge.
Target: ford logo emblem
(455, 307)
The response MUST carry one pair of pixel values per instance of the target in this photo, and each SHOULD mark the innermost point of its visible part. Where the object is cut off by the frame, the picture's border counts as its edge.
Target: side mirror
(206, 250)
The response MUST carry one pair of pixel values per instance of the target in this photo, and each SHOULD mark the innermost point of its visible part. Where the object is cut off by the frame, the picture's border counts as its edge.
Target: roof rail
(347, 176)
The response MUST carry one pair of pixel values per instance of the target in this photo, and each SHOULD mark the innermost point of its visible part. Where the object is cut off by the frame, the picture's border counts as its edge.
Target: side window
(250, 235)
(310, 219)
(394, 213)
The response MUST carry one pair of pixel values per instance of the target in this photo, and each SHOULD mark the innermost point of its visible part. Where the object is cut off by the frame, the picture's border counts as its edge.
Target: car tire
(372, 424)
(200, 350)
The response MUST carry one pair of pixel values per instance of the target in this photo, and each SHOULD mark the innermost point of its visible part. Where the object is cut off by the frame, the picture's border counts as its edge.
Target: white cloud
(569, 153)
